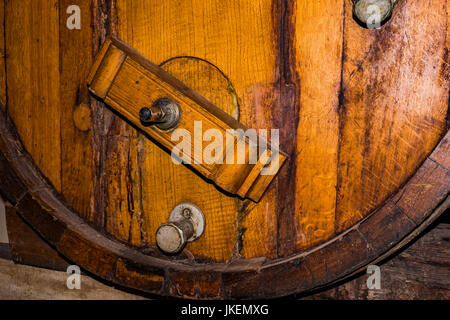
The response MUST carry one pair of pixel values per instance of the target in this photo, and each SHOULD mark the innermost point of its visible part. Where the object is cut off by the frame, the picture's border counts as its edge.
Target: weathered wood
(420, 272)
(75, 59)
(220, 236)
(253, 80)
(28, 248)
(334, 260)
(390, 123)
(33, 80)
(359, 165)
(318, 125)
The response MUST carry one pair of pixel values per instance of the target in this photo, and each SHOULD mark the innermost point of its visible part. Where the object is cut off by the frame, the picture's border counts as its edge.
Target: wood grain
(362, 139)
(395, 99)
(420, 272)
(127, 82)
(220, 237)
(342, 256)
(33, 79)
(258, 88)
(75, 59)
(222, 47)
(319, 53)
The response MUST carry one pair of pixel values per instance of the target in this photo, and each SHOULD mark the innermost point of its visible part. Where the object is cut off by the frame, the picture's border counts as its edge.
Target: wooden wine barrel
(362, 115)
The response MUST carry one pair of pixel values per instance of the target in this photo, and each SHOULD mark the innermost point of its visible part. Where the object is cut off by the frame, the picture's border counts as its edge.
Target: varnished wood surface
(359, 112)
(384, 137)
(127, 81)
(33, 77)
(219, 45)
(385, 231)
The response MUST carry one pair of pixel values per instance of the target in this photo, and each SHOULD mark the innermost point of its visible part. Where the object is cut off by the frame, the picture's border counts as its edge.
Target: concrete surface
(3, 233)
(18, 282)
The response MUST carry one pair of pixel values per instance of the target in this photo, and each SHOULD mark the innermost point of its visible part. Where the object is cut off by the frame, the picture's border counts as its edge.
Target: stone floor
(18, 282)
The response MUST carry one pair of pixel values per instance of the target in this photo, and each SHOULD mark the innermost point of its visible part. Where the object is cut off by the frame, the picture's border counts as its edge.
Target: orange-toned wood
(75, 59)
(33, 79)
(359, 112)
(397, 222)
(27, 247)
(395, 100)
(318, 63)
(57, 59)
(253, 79)
(219, 237)
(128, 82)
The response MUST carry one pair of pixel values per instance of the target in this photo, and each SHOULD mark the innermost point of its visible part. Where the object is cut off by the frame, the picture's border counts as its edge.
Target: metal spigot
(186, 224)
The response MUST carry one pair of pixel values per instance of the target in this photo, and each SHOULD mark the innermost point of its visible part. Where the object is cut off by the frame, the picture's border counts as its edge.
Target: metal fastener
(165, 113)
(186, 224)
(373, 13)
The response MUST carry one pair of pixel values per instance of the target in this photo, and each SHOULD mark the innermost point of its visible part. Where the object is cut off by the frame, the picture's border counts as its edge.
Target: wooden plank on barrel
(76, 146)
(201, 30)
(249, 56)
(395, 99)
(112, 201)
(33, 78)
(419, 272)
(28, 248)
(318, 62)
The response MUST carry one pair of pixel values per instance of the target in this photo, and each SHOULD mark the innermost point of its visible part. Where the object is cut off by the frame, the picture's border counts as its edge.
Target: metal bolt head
(186, 224)
(373, 13)
(170, 238)
(165, 114)
(145, 115)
